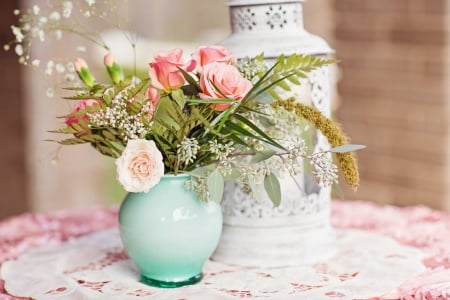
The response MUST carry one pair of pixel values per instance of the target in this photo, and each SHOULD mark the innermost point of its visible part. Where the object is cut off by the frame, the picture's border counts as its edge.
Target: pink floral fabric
(418, 226)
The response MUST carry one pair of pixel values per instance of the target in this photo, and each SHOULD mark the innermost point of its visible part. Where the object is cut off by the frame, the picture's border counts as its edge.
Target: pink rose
(154, 97)
(82, 105)
(209, 54)
(227, 79)
(164, 72)
(140, 167)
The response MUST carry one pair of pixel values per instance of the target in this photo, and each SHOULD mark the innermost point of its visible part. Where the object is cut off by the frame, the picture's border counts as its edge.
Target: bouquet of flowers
(209, 115)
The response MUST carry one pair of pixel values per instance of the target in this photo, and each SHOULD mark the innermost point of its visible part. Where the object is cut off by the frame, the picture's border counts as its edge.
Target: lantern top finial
(258, 2)
(272, 27)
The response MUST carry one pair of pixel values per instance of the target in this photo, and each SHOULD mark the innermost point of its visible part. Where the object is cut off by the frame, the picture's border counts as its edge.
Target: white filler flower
(140, 167)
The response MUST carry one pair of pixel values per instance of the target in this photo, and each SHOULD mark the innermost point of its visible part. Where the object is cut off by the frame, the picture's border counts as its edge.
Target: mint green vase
(169, 233)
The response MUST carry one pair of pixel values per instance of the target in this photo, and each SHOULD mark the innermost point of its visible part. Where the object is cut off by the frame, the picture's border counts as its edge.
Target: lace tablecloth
(419, 227)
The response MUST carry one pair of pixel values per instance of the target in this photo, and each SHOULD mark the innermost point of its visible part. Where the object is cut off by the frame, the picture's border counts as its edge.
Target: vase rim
(177, 176)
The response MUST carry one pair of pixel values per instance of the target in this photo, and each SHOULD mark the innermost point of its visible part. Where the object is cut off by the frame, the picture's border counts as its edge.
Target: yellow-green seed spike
(346, 161)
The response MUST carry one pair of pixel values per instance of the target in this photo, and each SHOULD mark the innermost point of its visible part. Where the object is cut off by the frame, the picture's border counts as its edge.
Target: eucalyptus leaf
(263, 155)
(235, 174)
(256, 189)
(264, 98)
(202, 171)
(215, 185)
(266, 122)
(347, 148)
(272, 187)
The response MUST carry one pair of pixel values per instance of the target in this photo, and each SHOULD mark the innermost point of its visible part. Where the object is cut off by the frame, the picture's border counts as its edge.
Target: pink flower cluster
(214, 65)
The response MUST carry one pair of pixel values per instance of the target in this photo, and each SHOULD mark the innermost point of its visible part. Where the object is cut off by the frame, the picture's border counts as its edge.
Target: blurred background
(393, 95)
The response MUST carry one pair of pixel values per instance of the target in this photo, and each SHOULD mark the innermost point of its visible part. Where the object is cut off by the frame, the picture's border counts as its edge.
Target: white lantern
(256, 233)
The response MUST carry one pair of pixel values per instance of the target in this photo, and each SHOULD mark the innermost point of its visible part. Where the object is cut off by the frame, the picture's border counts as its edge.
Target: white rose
(140, 167)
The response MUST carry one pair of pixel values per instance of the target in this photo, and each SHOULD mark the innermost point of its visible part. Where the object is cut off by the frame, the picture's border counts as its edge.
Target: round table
(420, 227)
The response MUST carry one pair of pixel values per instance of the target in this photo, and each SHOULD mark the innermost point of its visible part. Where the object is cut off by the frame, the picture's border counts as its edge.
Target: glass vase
(169, 233)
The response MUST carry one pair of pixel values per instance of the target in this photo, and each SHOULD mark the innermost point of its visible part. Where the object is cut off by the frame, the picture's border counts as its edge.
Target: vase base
(170, 284)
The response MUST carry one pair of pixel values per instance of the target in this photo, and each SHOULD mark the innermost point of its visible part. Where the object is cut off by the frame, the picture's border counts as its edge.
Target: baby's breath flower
(90, 2)
(50, 93)
(36, 9)
(49, 68)
(41, 35)
(55, 16)
(58, 34)
(16, 12)
(67, 9)
(70, 67)
(35, 62)
(60, 68)
(17, 33)
(69, 77)
(19, 50)
(116, 115)
(6, 47)
(81, 49)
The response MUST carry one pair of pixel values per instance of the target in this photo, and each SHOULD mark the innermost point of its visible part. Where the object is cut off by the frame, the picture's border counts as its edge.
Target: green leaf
(117, 145)
(209, 101)
(202, 171)
(272, 187)
(65, 130)
(235, 174)
(163, 113)
(135, 107)
(190, 79)
(107, 98)
(347, 148)
(266, 122)
(108, 135)
(93, 138)
(179, 97)
(215, 185)
(264, 98)
(256, 189)
(261, 133)
(73, 141)
(259, 83)
(261, 156)
(106, 150)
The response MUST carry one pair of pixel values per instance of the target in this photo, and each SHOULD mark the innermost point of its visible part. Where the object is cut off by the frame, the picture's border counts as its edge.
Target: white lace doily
(96, 267)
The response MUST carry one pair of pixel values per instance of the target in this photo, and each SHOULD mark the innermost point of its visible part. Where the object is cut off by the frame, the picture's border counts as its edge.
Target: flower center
(142, 165)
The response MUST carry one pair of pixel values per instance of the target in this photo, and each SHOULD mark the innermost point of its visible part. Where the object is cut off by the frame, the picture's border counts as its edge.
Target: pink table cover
(418, 227)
